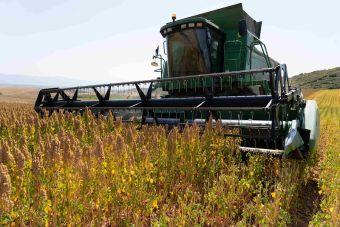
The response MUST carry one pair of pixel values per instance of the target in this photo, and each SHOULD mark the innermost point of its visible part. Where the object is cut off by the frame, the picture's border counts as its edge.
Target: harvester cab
(223, 40)
(216, 68)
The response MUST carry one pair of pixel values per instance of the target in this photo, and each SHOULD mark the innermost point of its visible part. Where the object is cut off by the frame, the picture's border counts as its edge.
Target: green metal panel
(226, 18)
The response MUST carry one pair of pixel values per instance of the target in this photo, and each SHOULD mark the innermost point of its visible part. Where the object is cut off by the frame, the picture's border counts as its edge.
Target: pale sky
(114, 40)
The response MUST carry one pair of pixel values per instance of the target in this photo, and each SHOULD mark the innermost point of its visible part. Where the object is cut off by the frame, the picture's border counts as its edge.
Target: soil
(307, 204)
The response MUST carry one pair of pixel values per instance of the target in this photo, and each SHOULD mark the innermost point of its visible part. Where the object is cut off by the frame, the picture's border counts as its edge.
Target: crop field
(328, 169)
(83, 170)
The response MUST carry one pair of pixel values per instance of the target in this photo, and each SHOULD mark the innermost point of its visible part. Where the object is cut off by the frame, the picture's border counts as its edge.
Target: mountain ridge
(40, 81)
(320, 79)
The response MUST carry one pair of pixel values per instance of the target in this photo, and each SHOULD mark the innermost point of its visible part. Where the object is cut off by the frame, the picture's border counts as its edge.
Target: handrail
(264, 51)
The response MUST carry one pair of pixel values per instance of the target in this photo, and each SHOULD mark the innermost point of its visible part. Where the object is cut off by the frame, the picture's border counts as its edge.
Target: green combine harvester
(216, 68)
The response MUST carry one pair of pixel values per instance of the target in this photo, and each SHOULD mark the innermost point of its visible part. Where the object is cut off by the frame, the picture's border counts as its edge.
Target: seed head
(7, 156)
(119, 144)
(20, 162)
(99, 149)
(172, 137)
(5, 189)
(37, 163)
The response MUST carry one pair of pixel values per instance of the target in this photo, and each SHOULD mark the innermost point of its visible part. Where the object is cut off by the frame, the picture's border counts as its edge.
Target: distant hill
(322, 79)
(40, 81)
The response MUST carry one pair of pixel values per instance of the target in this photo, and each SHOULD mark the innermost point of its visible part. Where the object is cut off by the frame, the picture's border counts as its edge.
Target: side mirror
(164, 47)
(161, 62)
(156, 51)
(155, 64)
(242, 27)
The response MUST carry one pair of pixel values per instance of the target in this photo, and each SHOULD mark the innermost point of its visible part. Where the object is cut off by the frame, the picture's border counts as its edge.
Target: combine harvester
(216, 67)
